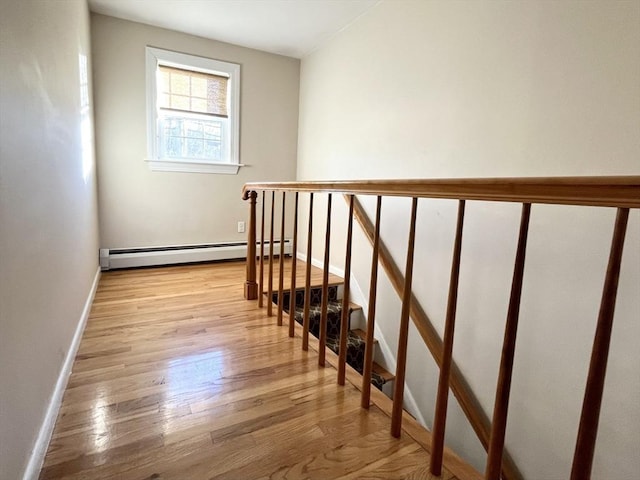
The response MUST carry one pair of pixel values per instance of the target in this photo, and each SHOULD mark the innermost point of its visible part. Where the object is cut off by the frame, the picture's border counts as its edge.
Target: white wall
(141, 208)
(48, 212)
(479, 89)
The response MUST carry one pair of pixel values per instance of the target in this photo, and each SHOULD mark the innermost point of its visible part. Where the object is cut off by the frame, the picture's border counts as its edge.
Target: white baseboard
(32, 472)
(388, 360)
(172, 255)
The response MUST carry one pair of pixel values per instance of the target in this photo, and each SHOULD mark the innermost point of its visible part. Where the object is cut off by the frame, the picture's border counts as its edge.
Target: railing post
(398, 391)
(294, 261)
(440, 416)
(325, 290)
(365, 396)
(307, 281)
(281, 262)
(261, 273)
(270, 279)
(250, 286)
(503, 389)
(588, 430)
(344, 320)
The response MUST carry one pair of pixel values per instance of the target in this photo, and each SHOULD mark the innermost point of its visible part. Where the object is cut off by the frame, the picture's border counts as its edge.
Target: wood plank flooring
(178, 377)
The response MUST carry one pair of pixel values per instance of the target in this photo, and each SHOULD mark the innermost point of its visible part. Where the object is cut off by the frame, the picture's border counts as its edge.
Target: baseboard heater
(112, 259)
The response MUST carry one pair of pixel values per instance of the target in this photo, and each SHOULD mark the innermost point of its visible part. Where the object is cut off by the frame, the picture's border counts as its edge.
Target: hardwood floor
(178, 377)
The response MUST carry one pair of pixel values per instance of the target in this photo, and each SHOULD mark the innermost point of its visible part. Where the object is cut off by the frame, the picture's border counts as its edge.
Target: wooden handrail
(603, 191)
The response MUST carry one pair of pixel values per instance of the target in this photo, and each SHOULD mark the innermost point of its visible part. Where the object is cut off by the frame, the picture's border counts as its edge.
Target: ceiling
(286, 27)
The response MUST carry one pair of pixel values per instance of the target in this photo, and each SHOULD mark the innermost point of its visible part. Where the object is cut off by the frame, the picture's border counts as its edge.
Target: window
(192, 113)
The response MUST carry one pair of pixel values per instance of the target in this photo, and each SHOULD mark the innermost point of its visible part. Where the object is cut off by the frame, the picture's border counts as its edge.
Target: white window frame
(157, 56)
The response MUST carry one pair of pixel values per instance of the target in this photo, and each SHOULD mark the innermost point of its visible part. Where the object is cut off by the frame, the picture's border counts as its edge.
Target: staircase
(356, 339)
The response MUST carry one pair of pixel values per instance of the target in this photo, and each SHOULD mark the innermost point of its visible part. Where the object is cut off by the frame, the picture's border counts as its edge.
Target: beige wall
(476, 89)
(48, 212)
(141, 208)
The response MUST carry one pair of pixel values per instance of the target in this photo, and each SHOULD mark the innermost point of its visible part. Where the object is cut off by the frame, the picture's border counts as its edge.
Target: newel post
(250, 286)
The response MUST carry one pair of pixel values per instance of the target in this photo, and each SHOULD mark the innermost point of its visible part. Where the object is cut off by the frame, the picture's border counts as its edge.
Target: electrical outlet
(240, 227)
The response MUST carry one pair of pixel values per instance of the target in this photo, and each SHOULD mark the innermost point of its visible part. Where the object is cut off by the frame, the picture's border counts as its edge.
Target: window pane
(212, 149)
(195, 148)
(192, 138)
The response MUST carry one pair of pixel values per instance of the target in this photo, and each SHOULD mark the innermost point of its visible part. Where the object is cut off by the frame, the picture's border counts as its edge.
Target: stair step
(363, 335)
(384, 374)
(356, 338)
(334, 316)
(315, 295)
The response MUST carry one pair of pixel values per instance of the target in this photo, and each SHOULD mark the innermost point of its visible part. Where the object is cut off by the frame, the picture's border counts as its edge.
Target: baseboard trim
(36, 459)
(111, 259)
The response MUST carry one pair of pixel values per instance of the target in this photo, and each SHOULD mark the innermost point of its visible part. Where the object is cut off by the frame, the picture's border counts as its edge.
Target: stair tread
(338, 303)
(336, 282)
(380, 370)
(363, 335)
(354, 306)
(316, 276)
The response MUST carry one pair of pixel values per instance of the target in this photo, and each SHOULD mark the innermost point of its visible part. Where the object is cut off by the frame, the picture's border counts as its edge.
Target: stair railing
(622, 193)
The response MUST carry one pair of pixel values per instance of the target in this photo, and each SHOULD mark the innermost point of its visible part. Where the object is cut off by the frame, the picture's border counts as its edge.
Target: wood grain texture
(467, 400)
(604, 191)
(178, 377)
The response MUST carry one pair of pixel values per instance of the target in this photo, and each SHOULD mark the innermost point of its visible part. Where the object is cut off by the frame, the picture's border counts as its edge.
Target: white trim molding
(229, 163)
(36, 459)
(185, 166)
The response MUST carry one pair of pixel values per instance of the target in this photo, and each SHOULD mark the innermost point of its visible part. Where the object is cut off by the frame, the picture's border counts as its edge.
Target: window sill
(194, 167)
